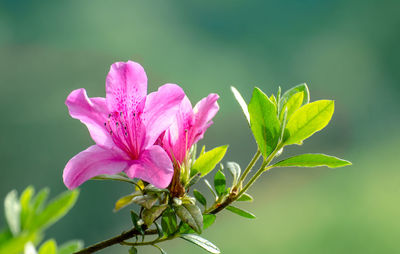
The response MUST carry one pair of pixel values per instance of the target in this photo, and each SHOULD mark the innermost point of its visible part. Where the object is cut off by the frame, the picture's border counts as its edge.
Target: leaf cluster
(276, 121)
(29, 215)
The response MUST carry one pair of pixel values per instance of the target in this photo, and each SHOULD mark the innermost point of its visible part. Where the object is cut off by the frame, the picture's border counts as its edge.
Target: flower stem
(249, 167)
(233, 197)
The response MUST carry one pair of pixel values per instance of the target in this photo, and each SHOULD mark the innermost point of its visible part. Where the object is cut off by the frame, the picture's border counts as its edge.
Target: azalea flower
(189, 127)
(124, 126)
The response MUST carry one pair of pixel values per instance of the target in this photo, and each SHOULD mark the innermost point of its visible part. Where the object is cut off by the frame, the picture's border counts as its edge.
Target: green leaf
(264, 122)
(48, 247)
(5, 235)
(16, 244)
(40, 200)
(12, 212)
(185, 229)
(207, 161)
(210, 188)
(199, 197)
(149, 215)
(150, 189)
(219, 183)
(241, 102)
(313, 160)
(293, 104)
(191, 215)
(235, 170)
(159, 248)
(309, 119)
(245, 197)
(135, 221)
(203, 150)
(194, 179)
(125, 201)
(283, 133)
(56, 209)
(201, 242)
(208, 220)
(273, 99)
(159, 230)
(27, 212)
(241, 212)
(119, 177)
(289, 93)
(168, 221)
(133, 250)
(70, 247)
(147, 201)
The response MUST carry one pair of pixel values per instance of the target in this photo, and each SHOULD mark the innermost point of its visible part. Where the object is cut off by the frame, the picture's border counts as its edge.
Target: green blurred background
(345, 50)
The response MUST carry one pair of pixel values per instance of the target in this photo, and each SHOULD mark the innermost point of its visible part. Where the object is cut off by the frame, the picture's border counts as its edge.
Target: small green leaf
(241, 212)
(5, 235)
(199, 197)
(133, 250)
(203, 150)
(56, 209)
(201, 242)
(289, 93)
(168, 221)
(241, 102)
(235, 170)
(70, 247)
(159, 248)
(245, 197)
(264, 122)
(40, 200)
(273, 99)
(135, 221)
(210, 188)
(12, 212)
(220, 183)
(118, 177)
(147, 201)
(185, 229)
(207, 161)
(293, 104)
(149, 215)
(150, 189)
(16, 244)
(191, 215)
(309, 119)
(159, 230)
(48, 247)
(125, 201)
(27, 212)
(313, 160)
(208, 220)
(194, 179)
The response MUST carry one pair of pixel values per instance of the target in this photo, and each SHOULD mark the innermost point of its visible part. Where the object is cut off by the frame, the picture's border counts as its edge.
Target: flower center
(125, 130)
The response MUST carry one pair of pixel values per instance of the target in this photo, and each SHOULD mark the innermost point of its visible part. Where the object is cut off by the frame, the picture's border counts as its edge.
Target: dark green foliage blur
(347, 51)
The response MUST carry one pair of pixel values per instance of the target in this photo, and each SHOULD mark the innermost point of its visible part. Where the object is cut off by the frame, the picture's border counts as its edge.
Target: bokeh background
(346, 50)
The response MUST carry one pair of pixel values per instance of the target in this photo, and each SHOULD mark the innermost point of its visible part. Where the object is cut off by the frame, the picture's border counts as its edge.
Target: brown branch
(115, 240)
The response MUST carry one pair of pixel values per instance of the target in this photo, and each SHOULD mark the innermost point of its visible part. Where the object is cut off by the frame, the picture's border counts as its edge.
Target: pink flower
(124, 126)
(189, 126)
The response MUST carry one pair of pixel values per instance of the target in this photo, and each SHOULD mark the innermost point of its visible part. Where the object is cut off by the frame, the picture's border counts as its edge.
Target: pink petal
(204, 111)
(153, 166)
(92, 162)
(126, 86)
(160, 110)
(92, 112)
(176, 140)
